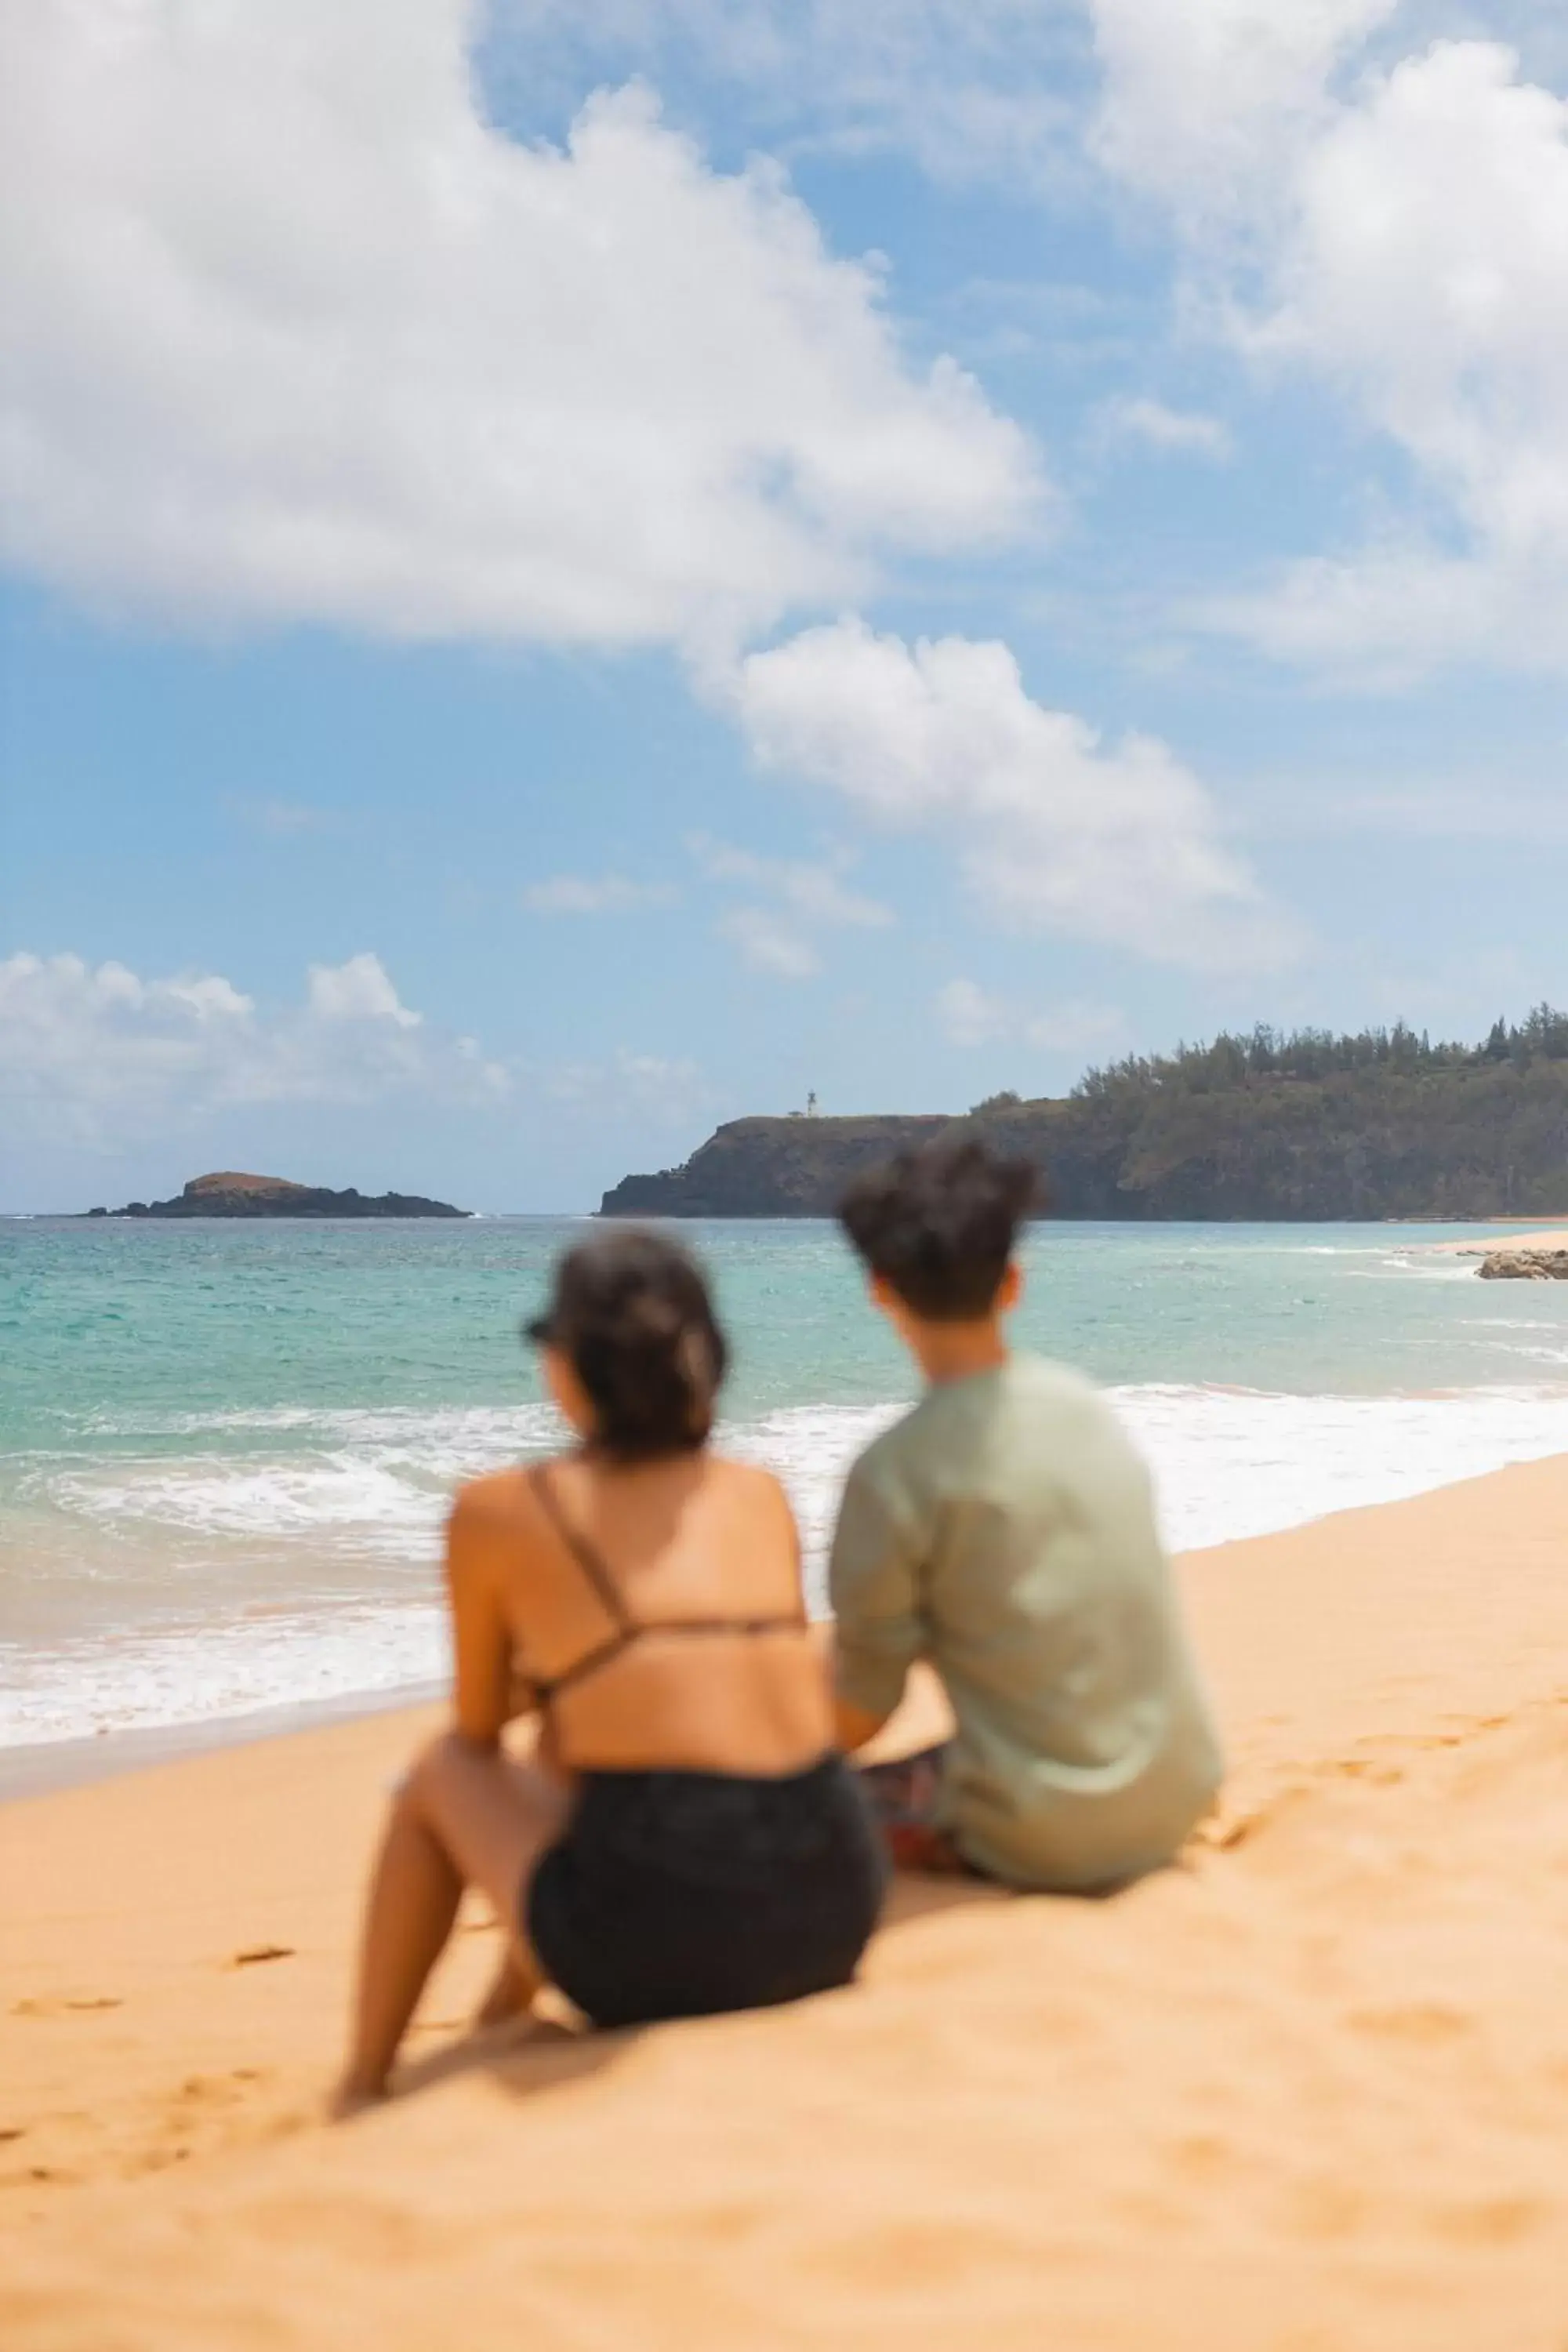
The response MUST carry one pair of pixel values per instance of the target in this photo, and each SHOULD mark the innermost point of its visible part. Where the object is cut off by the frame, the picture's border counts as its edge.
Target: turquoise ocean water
(225, 1449)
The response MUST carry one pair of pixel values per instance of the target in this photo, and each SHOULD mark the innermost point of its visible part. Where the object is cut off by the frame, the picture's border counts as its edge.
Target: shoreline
(83, 1756)
(1537, 1236)
(37, 1767)
(1307, 2088)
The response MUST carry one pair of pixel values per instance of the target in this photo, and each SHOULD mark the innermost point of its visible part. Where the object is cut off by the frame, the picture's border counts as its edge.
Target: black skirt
(682, 1894)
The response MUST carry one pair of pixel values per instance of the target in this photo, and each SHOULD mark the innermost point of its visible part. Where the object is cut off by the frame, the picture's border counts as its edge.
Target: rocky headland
(769, 1168)
(1383, 1125)
(230, 1193)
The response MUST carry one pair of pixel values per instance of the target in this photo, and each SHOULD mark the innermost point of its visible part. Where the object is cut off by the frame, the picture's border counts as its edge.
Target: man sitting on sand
(1004, 1530)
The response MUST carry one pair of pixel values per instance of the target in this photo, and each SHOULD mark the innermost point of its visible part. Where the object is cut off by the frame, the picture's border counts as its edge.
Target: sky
(572, 574)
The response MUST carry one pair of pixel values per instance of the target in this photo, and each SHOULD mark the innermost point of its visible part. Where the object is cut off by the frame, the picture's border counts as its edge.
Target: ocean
(225, 1449)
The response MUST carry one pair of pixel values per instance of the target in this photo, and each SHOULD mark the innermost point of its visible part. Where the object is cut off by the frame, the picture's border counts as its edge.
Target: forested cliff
(1381, 1124)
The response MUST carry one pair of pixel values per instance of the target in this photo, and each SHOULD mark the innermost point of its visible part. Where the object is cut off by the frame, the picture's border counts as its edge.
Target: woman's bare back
(663, 1597)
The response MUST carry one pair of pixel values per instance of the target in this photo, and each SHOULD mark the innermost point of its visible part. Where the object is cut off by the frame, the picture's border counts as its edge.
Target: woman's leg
(466, 1816)
(511, 1989)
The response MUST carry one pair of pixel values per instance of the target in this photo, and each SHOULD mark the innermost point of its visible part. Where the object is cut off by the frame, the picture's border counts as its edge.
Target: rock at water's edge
(1524, 1265)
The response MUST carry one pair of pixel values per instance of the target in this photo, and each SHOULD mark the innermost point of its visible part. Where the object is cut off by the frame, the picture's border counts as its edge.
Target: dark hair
(631, 1312)
(938, 1223)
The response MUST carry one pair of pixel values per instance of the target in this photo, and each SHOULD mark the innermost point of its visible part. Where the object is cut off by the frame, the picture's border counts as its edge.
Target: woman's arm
(482, 1689)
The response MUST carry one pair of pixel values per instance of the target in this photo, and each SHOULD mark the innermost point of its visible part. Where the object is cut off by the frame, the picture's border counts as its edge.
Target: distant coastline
(1378, 1127)
(230, 1193)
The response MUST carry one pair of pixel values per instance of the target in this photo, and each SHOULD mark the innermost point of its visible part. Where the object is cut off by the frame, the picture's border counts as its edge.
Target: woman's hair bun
(632, 1312)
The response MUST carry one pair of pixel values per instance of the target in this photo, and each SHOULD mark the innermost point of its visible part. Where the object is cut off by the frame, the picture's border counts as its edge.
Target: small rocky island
(228, 1193)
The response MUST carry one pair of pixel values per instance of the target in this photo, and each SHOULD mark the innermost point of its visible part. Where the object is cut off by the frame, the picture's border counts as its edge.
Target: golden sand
(1550, 1237)
(1307, 2093)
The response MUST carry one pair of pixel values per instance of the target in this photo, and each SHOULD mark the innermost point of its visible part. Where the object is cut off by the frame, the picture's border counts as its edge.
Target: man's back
(1004, 1531)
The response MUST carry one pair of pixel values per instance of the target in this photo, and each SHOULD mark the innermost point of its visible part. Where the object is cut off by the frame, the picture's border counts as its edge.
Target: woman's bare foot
(352, 2095)
(510, 1994)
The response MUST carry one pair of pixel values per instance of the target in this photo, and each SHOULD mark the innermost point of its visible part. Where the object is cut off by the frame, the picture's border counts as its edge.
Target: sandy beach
(1308, 2093)
(1548, 1237)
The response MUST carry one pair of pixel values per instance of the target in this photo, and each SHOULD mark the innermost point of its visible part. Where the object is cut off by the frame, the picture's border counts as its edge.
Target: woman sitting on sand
(684, 1837)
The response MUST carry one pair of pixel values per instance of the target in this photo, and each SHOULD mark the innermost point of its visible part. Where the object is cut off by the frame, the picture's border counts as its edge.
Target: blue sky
(681, 554)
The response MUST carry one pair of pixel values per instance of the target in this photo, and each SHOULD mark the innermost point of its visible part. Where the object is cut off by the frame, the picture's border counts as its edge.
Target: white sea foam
(1433, 1269)
(191, 1676)
(373, 1475)
(516, 1425)
(332, 1496)
(1229, 1463)
(308, 1572)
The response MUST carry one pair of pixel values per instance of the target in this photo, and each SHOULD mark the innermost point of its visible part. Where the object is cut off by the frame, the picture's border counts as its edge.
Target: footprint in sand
(203, 2090)
(57, 2008)
(218, 2090)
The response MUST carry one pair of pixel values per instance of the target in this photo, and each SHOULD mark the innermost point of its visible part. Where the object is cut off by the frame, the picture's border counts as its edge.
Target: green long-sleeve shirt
(1004, 1531)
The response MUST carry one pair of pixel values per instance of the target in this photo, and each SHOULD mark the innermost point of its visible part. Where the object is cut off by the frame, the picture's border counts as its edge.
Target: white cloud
(98, 1055)
(970, 1015)
(1054, 829)
(814, 891)
(1402, 236)
(767, 942)
(1198, 91)
(1435, 299)
(806, 896)
(358, 989)
(1205, 101)
(659, 1089)
(1075, 1027)
(1385, 617)
(1151, 421)
(971, 89)
(603, 894)
(293, 333)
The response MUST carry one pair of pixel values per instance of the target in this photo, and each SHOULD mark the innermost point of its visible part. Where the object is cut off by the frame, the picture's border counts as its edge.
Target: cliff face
(768, 1168)
(1486, 1141)
(230, 1193)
